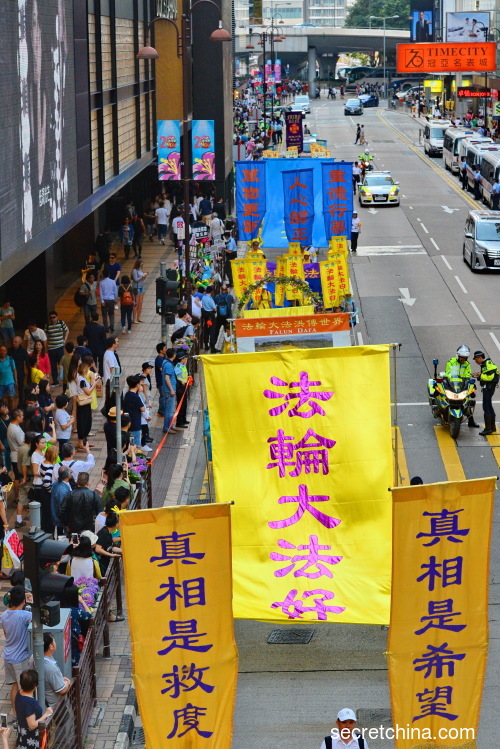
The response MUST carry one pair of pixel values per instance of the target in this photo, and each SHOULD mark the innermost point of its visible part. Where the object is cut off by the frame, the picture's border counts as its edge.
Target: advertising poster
(421, 26)
(294, 136)
(169, 149)
(277, 71)
(467, 27)
(446, 58)
(202, 138)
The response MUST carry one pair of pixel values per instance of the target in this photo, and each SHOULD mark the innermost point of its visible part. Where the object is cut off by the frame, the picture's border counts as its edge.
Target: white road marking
(409, 249)
(459, 282)
(474, 307)
(435, 245)
(360, 339)
(495, 340)
(424, 228)
(406, 298)
(446, 262)
(449, 210)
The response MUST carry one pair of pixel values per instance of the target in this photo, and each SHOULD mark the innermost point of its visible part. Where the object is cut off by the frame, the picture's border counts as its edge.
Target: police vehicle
(380, 188)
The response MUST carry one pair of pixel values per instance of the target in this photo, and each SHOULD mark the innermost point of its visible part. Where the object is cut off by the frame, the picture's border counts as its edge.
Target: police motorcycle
(451, 401)
(366, 161)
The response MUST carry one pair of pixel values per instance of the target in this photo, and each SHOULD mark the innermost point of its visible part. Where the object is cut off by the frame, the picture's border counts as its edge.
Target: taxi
(379, 188)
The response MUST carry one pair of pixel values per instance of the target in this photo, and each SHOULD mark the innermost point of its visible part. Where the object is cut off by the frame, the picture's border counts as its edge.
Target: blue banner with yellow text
(298, 204)
(250, 197)
(337, 199)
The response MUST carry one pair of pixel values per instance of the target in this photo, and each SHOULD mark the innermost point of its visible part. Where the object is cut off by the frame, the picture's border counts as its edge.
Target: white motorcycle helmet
(463, 351)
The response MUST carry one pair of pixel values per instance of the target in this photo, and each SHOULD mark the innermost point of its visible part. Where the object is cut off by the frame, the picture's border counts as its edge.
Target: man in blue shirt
(8, 377)
(160, 358)
(205, 209)
(169, 390)
(16, 654)
(208, 310)
(231, 253)
(133, 405)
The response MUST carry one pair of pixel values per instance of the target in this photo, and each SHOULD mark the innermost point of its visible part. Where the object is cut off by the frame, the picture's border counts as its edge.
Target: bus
(362, 75)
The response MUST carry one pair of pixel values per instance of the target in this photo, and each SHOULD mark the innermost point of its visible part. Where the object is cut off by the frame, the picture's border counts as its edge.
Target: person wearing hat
(458, 369)
(181, 373)
(343, 737)
(488, 377)
(110, 433)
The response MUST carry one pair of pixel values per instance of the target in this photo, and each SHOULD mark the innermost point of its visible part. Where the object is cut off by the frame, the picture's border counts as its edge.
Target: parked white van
(490, 171)
(434, 136)
(451, 147)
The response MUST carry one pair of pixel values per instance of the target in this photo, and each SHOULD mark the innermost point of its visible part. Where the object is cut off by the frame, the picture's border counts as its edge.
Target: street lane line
(446, 262)
(459, 282)
(496, 454)
(449, 454)
(495, 340)
(474, 307)
(494, 440)
(360, 339)
(435, 245)
(424, 227)
(397, 442)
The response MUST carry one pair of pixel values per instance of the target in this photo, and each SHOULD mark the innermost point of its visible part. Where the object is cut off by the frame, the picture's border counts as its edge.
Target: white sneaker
(124, 330)
(147, 449)
(128, 331)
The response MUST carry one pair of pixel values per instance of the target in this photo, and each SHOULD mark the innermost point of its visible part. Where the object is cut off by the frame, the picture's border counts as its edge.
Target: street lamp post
(184, 43)
(384, 19)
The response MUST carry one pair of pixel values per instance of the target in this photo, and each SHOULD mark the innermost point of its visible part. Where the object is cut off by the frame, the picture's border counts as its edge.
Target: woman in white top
(82, 563)
(138, 277)
(41, 495)
(84, 408)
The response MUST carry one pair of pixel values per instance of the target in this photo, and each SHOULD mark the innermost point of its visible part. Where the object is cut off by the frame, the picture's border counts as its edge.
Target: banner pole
(395, 414)
(211, 492)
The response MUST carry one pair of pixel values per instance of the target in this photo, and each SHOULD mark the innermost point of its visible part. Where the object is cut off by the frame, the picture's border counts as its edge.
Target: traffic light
(40, 553)
(167, 293)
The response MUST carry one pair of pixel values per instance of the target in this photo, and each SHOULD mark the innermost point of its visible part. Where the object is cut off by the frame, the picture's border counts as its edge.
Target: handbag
(84, 399)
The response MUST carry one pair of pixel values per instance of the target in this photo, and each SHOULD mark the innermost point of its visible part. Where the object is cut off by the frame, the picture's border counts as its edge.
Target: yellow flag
(297, 461)
(294, 248)
(240, 279)
(342, 275)
(279, 288)
(256, 270)
(329, 286)
(438, 638)
(294, 268)
(338, 244)
(178, 583)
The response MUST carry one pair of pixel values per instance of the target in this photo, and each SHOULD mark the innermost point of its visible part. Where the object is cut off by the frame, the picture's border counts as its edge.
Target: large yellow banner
(304, 450)
(240, 278)
(178, 582)
(329, 285)
(438, 637)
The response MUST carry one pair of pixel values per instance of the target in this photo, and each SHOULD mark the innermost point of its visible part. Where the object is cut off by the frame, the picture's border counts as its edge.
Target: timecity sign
(452, 57)
(473, 93)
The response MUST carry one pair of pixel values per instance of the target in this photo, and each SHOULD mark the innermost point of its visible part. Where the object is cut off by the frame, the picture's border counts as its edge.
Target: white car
(379, 187)
(301, 103)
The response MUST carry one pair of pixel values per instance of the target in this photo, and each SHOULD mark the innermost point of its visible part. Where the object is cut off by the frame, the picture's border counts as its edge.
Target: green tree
(358, 15)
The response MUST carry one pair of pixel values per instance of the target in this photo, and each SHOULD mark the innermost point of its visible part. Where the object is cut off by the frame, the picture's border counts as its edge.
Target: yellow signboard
(438, 637)
(179, 589)
(310, 541)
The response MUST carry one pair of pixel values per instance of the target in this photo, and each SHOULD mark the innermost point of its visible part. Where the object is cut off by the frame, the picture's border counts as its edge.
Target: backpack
(72, 481)
(127, 298)
(81, 299)
(222, 306)
(329, 742)
(179, 333)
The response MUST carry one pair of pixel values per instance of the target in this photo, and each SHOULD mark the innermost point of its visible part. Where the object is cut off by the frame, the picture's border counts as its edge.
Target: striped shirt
(56, 333)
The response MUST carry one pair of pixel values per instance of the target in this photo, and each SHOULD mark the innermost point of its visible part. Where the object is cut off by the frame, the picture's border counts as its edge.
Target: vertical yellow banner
(179, 588)
(342, 271)
(309, 479)
(438, 637)
(294, 248)
(295, 268)
(279, 289)
(329, 287)
(240, 279)
(338, 244)
(256, 270)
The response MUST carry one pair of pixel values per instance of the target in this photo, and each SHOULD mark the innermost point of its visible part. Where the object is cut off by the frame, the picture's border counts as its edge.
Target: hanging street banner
(438, 636)
(309, 478)
(277, 71)
(177, 564)
(169, 149)
(298, 204)
(337, 199)
(250, 197)
(293, 130)
(203, 149)
(446, 58)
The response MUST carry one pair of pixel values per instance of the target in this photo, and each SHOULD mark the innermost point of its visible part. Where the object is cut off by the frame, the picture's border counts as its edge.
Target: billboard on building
(421, 25)
(446, 58)
(467, 27)
(38, 119)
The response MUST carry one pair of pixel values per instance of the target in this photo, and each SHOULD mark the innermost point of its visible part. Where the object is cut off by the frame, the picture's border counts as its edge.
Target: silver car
(482, 240)
(379, 188)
